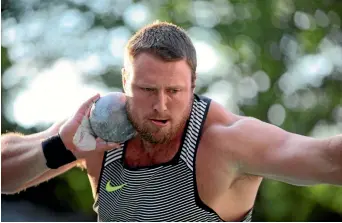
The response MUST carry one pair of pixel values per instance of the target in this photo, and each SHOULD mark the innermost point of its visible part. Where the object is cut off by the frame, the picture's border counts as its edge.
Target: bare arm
(268, 151)
(23, 161)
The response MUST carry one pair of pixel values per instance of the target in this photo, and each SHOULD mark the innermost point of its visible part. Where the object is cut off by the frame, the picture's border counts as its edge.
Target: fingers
(88, 112)
(85, 107)
(103, 145)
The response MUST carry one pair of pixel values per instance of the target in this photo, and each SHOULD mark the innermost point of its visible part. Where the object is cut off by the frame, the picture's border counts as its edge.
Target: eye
(147, 89)
(173, 91)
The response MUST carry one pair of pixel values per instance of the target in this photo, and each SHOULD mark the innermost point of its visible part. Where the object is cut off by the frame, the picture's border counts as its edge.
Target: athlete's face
(159, 96)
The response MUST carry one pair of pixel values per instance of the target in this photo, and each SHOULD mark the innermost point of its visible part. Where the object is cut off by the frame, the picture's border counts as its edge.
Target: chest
(149, 194)
(212, 175)
(136, 156)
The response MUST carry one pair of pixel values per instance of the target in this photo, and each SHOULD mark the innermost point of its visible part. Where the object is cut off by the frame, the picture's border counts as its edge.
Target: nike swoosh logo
(110, 188)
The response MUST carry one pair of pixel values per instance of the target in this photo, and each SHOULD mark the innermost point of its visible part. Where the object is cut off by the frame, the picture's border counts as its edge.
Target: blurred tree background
(276, 60)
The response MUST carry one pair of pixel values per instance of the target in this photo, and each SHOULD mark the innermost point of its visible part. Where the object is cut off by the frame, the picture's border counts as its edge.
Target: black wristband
(55, 152)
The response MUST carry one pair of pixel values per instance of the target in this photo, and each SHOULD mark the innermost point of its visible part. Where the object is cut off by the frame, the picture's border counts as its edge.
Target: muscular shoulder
(219, 116)
(237, 138)
(222, 131)
(217, 144)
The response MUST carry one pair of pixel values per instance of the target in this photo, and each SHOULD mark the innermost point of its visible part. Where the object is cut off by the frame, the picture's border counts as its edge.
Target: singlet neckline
(173, 161)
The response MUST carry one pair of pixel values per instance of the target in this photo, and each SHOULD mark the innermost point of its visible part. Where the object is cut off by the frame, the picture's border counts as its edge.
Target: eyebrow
(154, 86)
(175, 87)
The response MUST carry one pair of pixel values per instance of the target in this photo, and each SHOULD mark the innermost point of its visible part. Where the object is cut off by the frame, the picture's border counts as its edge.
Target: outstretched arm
(259, 148)
(23, 160)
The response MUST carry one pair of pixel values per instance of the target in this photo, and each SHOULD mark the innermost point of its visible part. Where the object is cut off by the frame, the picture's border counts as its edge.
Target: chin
(157, 137)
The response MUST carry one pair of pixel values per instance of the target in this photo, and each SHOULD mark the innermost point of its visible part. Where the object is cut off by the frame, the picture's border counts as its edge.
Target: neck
(143, 153)
(157, 148)
(149, 147)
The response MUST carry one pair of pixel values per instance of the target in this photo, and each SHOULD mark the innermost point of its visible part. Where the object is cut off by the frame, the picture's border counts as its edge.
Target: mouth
(160, 122)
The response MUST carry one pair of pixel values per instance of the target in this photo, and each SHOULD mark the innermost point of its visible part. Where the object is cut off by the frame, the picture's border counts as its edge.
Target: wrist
(55, 152)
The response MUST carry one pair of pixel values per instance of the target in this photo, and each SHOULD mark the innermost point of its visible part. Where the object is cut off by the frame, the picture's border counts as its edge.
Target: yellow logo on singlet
(110, 188)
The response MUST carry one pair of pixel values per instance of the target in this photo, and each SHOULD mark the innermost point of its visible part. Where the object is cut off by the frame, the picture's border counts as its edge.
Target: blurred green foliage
(257, 27)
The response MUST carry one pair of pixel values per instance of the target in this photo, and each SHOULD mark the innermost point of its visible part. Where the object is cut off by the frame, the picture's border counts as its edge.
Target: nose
(160, 102)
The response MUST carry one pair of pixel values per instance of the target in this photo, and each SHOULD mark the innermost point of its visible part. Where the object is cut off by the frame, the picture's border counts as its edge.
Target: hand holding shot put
(99, 124)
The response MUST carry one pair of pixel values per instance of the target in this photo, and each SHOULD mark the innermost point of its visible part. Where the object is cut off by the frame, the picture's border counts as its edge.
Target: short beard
(146, 135)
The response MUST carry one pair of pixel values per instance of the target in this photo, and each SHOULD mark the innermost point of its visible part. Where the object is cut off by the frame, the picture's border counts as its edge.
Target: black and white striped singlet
(164, 192)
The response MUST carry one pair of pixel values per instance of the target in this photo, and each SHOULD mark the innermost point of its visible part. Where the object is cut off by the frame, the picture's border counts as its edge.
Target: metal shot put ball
(108, 118)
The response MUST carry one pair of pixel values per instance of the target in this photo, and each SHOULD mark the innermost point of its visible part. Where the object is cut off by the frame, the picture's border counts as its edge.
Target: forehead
(149, 69)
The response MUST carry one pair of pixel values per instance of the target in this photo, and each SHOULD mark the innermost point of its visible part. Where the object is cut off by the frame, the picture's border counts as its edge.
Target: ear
(193, 83)
(124, 78)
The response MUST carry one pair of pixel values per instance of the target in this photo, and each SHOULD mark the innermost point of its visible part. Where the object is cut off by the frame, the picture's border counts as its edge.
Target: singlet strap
(114, 154)
(193, 134)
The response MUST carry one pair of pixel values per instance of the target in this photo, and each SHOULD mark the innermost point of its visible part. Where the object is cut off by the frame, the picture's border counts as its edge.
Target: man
(191, 160)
